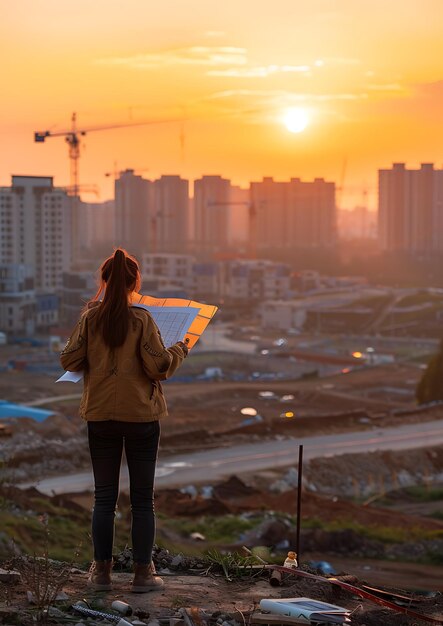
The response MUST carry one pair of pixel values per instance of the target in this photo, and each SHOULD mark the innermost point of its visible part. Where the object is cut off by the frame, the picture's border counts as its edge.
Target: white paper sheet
(70, 377)
(172, 321)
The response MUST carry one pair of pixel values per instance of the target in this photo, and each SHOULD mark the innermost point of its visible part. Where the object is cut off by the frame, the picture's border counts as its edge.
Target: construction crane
(117, 173)
(85, 188)
(353, 189)
(72, 138)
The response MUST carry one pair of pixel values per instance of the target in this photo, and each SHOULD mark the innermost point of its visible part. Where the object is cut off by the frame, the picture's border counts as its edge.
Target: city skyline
(368, 77)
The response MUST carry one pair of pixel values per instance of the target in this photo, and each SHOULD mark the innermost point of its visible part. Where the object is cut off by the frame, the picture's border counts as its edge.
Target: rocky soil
(200, 598)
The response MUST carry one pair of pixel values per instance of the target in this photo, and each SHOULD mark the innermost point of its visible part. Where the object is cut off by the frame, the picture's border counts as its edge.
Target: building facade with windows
(134, 201)
(35, 229)
(17, 299)
(170, 219)
(411, 209)
(76, 290)
(293, 214)
(176, 268)
(212, 199)
(256, 280)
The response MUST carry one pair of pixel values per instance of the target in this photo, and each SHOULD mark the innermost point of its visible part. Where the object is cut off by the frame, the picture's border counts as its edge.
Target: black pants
(106, 441)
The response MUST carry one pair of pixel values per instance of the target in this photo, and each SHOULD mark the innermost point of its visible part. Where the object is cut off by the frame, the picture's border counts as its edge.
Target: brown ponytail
(120, 274)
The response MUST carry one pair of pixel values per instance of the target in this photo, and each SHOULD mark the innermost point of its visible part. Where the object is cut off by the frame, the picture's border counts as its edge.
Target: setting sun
(296, 120)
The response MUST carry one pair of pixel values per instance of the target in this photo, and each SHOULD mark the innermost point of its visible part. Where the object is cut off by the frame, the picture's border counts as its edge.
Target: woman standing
(120, 350)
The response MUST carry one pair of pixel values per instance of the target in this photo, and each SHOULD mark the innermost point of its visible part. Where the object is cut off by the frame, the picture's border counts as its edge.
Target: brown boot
(144, 579)
(100, 576)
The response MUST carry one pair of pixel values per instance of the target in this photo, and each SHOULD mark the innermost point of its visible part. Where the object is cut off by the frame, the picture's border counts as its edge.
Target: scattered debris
(122, 607)
(306, 610)
(291, 559)
(115, 619)
(9, 576)
(276, 578)
(177, 561)
(362, 593)
(5, 431)
(218, 591)
(197, 537)
(61, 597)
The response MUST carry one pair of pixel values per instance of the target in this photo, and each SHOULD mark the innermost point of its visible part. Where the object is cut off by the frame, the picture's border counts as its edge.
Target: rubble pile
(34, 450)
(363, 475)
(165, 561)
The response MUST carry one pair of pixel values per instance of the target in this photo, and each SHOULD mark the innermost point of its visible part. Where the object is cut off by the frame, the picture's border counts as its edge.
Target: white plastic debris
(9, 576)
(61, 597)
(30, 597)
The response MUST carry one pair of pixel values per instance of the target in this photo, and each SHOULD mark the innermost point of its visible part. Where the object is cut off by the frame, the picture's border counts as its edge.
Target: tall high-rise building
(96, 228)
(134, 212)
(35, 229)
(238, 216)
(77, 288)
(269, 213)
(411, 209)
(170, 232)
(211, 209)
(311, 220)
(293, 214)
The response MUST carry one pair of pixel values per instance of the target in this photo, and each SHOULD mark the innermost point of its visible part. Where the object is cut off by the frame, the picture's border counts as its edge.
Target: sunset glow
(373, 73)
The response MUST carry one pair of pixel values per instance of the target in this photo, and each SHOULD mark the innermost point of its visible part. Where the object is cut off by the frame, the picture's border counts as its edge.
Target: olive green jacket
(123, 383)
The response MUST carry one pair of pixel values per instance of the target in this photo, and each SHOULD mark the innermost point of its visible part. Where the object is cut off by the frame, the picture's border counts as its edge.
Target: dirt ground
(236, 599)
(327, 404)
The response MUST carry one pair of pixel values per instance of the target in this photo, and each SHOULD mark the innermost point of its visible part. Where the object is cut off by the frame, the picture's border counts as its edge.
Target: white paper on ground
(306, 609)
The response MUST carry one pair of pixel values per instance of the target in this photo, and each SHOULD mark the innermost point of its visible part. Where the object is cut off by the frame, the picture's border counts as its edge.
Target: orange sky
(369, 73)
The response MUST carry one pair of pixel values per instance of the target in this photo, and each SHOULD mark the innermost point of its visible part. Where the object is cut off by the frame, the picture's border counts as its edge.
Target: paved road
(49, 399)
(209, 466)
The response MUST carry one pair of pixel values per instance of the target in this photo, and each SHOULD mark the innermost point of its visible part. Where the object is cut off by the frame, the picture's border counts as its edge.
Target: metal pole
(300, 476)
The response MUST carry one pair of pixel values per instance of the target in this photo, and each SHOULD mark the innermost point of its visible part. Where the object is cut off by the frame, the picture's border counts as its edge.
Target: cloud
(235, 93)
(192, 55)
(258, 71)
(289, 96)
(214, 34)
(341, 61)
(421, 100)
(386, 87)
(262, 105)
(431, 90)
(228, 61)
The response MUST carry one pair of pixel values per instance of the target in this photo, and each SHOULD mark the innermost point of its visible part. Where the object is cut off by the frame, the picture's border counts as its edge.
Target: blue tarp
(9, 409)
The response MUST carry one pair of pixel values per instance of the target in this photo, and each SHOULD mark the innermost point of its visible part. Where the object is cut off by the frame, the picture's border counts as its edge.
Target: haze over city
(367, 76)
(227, 217)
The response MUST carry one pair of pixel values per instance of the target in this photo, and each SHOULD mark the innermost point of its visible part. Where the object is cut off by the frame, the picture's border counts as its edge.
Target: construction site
(370, 505)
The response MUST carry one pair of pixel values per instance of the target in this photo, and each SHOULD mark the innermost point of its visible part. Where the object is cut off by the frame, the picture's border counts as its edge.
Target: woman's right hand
(184, 347)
